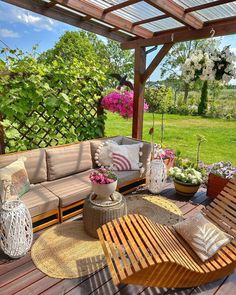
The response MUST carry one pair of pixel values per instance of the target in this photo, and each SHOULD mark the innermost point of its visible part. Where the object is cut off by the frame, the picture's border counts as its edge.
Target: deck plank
(21, 276)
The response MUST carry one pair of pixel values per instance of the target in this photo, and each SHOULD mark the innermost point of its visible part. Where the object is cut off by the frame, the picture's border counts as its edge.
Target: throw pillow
(103, 155)
(126, 157)
(17, 174)
(203, 237)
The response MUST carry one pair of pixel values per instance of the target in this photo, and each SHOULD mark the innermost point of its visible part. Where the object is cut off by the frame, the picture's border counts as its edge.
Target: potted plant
(219, 175)
(186, 180)
(104, 182)
(168, 156)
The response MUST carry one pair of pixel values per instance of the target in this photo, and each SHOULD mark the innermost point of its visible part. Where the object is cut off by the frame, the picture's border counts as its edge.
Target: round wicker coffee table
(97, 212)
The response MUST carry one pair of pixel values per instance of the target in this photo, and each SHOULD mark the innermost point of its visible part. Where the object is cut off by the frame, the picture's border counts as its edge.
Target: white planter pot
(156, 176)
(104, 191)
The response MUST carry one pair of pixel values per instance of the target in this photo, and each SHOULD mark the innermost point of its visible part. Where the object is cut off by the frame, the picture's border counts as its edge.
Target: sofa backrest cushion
(96, 142)
(67, 160)
(35, 163)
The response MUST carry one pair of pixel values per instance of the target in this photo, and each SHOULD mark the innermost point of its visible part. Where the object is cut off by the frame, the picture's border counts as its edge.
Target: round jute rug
(157, 208)
(66, 251)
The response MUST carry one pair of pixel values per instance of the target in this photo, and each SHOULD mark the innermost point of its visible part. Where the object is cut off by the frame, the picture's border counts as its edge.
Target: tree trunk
(186, 91)
(2, 143)
(202, 107)
(162, 128)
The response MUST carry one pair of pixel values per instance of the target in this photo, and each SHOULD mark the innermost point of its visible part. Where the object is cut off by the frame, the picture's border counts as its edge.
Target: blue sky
(23, 29)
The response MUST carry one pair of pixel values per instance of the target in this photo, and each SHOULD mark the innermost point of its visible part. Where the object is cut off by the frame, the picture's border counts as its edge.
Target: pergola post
(139, 85)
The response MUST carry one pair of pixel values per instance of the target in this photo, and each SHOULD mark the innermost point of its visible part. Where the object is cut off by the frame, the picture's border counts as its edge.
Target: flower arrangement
(102, 176)
(215, 65)
(167, 154)
(120, 102)
(188, 175)
(222, 169)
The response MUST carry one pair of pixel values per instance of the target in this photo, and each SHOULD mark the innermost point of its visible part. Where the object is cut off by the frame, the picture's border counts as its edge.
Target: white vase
(104, 191)
(156, 176)
(16, 229)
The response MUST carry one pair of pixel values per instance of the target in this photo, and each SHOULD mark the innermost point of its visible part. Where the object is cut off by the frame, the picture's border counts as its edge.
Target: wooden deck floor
(22, 277)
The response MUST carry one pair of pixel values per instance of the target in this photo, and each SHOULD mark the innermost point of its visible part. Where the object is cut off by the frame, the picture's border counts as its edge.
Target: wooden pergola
(139, 24)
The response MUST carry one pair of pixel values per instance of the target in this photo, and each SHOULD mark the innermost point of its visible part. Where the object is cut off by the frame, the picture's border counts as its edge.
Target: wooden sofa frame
(141, 252)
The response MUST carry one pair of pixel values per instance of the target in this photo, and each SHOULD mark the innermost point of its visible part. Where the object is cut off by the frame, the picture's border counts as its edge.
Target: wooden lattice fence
(88, 124)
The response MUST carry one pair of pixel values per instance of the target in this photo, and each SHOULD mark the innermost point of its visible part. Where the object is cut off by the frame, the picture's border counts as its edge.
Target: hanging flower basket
(120, 102)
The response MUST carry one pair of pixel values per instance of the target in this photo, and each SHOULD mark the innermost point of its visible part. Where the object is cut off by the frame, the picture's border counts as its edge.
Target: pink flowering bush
(102, 176)
(121, 103)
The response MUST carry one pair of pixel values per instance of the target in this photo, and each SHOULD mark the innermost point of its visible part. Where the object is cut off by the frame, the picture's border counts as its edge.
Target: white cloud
(12, 14)
(5, 33)
(233, 49)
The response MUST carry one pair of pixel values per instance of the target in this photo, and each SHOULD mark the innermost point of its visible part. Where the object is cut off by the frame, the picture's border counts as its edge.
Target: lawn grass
(180, 134)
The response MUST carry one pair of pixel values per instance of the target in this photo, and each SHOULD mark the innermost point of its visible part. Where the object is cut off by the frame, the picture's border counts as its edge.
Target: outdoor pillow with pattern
(202, 236)
(17, 174)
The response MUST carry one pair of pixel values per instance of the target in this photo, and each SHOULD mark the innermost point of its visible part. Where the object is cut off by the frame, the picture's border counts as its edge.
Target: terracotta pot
(104, 191)
(169, 163)
(215, 185)
(185, 189)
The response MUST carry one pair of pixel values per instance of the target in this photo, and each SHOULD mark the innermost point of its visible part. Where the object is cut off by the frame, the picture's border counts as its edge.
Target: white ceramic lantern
(156, 176)
(16, 234)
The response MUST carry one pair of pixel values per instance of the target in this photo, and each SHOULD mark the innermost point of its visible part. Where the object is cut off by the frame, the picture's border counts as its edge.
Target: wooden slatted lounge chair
(141, 252)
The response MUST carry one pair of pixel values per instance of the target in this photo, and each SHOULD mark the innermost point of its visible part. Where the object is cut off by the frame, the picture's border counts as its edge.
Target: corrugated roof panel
(164, 24)
(221, 11)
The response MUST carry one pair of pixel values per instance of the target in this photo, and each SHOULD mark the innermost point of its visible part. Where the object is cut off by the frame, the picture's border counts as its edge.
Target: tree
(159, 100)
(202, 107)
(121, 61)
(171, 68)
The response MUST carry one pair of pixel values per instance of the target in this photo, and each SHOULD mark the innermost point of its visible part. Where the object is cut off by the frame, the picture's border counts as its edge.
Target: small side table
(97, 212)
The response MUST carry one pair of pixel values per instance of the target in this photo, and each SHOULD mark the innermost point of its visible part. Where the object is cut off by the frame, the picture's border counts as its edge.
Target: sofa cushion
(146, 149)
(68, 160)
(70, 189)
(126, 176)
(40, 200)
(96, 142)
(35, 163)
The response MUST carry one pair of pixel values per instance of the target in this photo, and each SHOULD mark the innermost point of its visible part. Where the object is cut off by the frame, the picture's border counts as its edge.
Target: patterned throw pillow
(202, 236)
(103, 155)
(126, 157)
(17, 174)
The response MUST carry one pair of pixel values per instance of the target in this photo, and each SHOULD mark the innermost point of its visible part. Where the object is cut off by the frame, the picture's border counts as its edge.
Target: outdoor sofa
(59, 178)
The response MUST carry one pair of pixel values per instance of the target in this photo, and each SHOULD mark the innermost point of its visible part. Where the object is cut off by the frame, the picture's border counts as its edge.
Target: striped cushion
(126, 157)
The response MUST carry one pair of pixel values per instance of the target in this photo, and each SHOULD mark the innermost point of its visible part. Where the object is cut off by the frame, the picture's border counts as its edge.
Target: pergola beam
(177, 12)
(221, 27)
(120, 5)
(207, 5)
(150, 20)
(156, 61)
(62, 15)
(110, 18)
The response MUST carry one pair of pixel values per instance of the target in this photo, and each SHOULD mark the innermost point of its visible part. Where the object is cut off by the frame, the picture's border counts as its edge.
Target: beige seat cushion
(126, 176)
(35, 163)
(40, 200)
(71, 189)
(68, 160)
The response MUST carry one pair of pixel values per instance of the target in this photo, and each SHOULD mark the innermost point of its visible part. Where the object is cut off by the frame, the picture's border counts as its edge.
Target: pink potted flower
(168, 156)
(104, 182)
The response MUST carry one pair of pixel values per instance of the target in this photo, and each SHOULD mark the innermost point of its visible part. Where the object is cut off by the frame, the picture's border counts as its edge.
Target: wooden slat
(207, 5)
(126, 246)
(112, 247)
(115, 239)
(101, 237)
(120, 6)
(176, 11)
(223, 27)
(151, 19)
(109, 18)
(138, 241)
